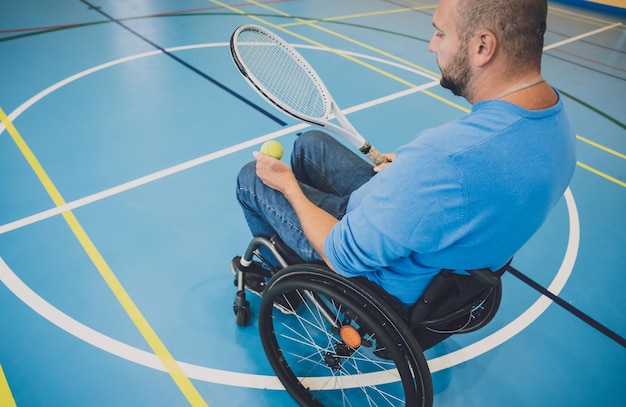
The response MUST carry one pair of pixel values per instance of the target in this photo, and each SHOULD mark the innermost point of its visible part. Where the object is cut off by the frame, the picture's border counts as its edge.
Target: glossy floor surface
(124, 124)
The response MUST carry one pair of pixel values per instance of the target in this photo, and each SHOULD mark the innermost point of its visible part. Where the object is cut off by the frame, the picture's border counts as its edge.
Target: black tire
(243, 315)
(314, 363)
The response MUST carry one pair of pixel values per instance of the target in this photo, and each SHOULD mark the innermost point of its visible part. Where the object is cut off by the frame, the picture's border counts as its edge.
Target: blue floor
(120, 142)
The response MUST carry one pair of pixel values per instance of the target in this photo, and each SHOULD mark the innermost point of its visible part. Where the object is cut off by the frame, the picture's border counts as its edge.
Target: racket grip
(373, 154)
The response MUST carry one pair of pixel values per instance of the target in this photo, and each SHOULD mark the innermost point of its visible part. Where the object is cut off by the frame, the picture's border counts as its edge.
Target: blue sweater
(466, 195)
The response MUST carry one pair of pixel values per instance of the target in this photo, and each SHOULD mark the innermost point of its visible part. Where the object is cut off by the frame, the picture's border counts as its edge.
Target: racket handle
(373, 154)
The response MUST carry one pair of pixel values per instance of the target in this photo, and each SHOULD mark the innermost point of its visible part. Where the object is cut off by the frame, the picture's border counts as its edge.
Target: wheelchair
(337, 341)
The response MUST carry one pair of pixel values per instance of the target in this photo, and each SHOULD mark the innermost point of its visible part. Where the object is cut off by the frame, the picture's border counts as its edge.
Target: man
(465, 195)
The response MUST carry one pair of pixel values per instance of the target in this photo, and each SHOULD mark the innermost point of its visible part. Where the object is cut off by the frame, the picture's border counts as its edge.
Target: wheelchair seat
(333, 340)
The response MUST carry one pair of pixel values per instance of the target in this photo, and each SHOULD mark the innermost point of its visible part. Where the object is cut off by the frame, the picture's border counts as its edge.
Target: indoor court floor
(123, 127)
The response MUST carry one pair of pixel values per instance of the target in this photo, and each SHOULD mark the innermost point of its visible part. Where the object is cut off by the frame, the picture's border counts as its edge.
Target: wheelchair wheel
(332, 342)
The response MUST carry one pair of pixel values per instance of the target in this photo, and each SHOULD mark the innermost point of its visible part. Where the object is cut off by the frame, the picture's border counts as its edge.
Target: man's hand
(316, 223)
(390, 157)
(275, 174)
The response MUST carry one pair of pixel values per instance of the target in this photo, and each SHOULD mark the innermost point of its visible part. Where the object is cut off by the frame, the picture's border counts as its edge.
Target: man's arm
(316, 223)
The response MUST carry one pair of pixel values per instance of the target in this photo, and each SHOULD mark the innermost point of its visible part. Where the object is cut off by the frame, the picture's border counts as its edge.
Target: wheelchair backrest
(449, 304)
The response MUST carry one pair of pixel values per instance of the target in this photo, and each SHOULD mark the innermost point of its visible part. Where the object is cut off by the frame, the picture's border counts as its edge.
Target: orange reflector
(350, 336)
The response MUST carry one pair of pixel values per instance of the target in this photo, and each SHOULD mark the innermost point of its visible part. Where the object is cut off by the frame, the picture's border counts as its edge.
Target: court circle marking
(148, 359)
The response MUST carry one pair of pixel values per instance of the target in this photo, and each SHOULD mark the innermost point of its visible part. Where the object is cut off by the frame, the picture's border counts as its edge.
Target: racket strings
(281, 74)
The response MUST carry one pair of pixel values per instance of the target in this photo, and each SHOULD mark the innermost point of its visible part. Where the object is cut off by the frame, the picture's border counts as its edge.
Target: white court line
(209, 157)
(247, 380)
(118, 348)
(142, 357)
(197, 161)
(532, 313)
(142, 181)
(191, 164)
(580, 37)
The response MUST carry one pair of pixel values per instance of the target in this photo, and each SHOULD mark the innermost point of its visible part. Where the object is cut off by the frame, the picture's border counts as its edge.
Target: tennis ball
(273, 149)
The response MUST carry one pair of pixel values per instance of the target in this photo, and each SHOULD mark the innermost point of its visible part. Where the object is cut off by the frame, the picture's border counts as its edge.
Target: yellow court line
(318, 44)
(371, 13)
(311, 23)
(446, 101)
(601, 147)
(379, 13)
(369, 47)
(6, 397)
(345, 38)
(601, 174)
(358, 61)
(183, 382)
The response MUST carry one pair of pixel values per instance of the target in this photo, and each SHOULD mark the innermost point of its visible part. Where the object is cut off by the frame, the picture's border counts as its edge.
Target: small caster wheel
(241, 306)
(243, 315)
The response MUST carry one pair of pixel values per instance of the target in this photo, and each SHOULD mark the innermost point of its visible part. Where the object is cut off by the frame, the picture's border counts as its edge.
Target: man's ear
(483, 48)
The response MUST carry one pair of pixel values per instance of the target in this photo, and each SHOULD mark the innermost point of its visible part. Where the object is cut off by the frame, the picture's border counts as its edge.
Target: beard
(456, 75)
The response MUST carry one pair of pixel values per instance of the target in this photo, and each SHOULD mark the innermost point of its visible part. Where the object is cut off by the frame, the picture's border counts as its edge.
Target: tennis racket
(283, 77)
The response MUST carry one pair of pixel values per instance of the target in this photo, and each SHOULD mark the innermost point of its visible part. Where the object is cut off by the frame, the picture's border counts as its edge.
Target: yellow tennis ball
(273, 149)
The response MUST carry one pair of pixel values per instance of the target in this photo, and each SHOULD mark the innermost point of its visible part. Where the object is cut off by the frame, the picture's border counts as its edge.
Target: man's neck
(529, 91)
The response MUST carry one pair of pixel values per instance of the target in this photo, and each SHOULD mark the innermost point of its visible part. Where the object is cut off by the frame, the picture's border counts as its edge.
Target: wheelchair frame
(333, 340)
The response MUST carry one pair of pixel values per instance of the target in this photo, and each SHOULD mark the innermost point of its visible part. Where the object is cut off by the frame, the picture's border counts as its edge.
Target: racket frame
(345, 131)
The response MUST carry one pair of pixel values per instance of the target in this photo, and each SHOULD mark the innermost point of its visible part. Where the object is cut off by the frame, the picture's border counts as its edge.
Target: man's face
(456, 74)
(452, 57)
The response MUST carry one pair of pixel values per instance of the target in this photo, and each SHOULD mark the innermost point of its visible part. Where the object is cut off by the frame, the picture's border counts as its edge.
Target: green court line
(328, 21)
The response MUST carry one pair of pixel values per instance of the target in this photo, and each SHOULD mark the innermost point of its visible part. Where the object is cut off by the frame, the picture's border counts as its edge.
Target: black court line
(188, 65)
(568, 307)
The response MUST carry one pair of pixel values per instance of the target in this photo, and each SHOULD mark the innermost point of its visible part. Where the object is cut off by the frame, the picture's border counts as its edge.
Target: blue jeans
(328, 173)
